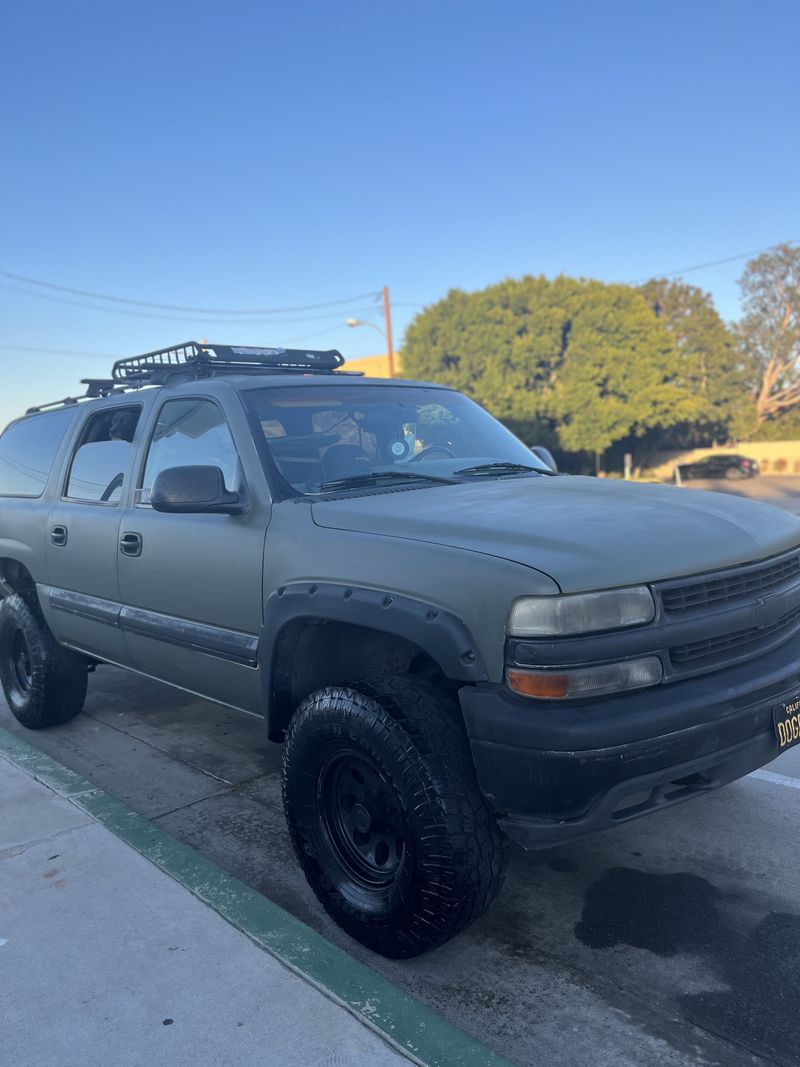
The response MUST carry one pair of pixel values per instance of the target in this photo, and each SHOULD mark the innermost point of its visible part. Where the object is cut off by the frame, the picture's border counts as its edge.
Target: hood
(585, 533)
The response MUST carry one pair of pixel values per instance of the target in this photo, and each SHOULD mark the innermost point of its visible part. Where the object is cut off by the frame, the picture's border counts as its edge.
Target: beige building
(375, 366)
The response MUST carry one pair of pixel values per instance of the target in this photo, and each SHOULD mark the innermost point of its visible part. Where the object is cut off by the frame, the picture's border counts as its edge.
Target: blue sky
(281, 154)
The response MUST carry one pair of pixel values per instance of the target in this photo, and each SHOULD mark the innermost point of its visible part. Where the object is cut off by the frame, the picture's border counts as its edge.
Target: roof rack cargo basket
(195, 360)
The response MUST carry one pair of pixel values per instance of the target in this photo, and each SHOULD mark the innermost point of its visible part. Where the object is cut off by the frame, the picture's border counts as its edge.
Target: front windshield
(320, 437)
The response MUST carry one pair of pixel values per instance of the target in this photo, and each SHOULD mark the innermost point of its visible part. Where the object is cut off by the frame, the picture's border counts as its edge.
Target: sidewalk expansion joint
(161, 751)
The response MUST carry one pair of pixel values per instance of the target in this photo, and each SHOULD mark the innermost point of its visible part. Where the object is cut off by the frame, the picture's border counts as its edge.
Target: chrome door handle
(130, 544)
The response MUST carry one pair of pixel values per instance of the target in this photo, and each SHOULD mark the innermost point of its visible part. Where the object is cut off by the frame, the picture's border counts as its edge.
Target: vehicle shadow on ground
(657, 919)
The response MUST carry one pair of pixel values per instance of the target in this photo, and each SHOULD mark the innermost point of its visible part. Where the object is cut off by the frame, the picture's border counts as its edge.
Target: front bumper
(553, 771)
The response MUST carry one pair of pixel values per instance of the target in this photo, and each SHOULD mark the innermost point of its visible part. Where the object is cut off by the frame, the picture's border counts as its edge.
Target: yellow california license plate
(786, 719)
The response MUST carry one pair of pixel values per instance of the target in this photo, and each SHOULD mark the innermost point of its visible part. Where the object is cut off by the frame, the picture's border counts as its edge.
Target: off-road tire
(44, 683)
(453, 853)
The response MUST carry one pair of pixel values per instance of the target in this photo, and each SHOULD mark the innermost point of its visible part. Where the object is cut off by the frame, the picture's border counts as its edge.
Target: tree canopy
(585, 366)
(575, 362)
(713, 365)
(770, 329)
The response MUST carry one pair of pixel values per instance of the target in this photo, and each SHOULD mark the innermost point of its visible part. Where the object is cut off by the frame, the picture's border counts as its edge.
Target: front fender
(442, 635)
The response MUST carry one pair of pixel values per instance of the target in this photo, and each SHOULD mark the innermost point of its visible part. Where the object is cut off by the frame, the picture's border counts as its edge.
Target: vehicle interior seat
(340, 461)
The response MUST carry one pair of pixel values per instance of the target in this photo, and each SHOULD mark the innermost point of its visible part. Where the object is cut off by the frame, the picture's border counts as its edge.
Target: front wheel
(386, 817)
(44, 683)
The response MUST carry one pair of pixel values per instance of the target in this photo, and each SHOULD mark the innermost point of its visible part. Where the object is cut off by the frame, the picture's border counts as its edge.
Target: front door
(190, 585)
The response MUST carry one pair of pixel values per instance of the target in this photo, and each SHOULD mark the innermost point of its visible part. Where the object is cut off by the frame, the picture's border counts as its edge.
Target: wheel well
(15, 578)
(312, 653)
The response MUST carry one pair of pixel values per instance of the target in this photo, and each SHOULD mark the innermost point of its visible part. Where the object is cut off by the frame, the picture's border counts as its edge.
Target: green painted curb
(412, 1028)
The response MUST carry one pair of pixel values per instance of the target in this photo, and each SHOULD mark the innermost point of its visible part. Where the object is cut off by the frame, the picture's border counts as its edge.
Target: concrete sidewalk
(105, 959)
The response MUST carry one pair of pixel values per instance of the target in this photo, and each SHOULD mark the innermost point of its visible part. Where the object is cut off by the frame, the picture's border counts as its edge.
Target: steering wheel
(430, 449)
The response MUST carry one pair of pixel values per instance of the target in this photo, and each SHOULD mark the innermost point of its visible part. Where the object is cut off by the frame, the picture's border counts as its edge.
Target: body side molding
(213, 640)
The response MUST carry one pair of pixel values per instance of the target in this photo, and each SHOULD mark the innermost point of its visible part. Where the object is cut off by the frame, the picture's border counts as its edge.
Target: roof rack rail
(194, 360)
(95, 388)
(52, 404)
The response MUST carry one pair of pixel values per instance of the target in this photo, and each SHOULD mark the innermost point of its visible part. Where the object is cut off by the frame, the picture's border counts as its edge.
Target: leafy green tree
(570, 361)
(770, 329)
(497, 345)
(711, 359)
(620, 375)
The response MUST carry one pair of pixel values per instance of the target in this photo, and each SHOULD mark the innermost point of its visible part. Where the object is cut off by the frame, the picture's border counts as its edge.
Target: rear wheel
(386, 817)
(44, 683)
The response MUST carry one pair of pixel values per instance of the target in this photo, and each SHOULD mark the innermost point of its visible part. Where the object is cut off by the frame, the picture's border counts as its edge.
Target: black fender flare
(441, 634)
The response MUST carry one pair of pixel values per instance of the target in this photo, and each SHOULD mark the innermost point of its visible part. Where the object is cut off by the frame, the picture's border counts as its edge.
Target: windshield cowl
(371, 479)
(500, 469)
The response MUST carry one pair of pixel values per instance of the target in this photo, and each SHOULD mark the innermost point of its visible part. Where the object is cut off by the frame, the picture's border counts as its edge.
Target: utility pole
(388, 316)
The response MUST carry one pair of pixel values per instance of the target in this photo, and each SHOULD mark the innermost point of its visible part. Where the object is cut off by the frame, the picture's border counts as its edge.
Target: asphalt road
(671, 940)
(781, 492)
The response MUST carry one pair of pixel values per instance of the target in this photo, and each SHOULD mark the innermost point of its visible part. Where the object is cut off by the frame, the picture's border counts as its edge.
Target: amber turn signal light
(566, 683)
(548, 685)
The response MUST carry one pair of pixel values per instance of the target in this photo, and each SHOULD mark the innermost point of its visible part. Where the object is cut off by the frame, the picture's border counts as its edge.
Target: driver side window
(190, 433)
(98, 467)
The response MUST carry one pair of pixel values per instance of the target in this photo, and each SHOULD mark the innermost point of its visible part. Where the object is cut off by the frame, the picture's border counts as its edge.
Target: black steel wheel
(21, 669)
(44, 684)
(363, 818)
(385, 814)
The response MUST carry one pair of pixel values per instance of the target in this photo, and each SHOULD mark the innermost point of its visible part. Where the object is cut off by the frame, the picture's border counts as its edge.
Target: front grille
(729, 586)
(726, 643)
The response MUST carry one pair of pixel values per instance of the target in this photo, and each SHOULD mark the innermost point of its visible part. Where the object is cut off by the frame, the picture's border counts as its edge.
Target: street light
(362, 322)
(386, 334)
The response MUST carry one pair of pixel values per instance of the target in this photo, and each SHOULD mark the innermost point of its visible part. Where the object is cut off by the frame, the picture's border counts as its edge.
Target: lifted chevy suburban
(455, 645)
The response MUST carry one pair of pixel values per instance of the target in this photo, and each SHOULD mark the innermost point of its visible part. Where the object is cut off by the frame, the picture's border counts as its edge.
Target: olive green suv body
(399, 586)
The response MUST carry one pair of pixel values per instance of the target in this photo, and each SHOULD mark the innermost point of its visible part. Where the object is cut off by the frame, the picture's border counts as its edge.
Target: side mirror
(194, 491)
(546, 456)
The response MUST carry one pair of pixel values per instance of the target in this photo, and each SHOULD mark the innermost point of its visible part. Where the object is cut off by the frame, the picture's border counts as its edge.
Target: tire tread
(60, 675)
(422, 728)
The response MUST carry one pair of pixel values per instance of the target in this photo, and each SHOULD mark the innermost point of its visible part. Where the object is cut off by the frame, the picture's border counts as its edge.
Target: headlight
(583, 613)
(565, 683)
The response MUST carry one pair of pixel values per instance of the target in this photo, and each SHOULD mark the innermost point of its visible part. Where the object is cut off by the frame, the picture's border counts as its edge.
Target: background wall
(774, 457)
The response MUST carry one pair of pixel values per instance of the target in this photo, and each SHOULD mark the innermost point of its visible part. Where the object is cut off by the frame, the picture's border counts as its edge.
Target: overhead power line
(185, 307)
(317, 333)
(58, 352)
(286, 342)
(174, 318)
(711, 263)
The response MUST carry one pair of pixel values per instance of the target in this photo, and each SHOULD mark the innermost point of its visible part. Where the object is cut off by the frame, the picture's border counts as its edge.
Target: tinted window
(27, 451)
(99, 464)
(190, 433)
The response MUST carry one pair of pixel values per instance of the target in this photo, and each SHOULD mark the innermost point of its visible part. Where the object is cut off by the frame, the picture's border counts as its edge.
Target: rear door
(190, 585)
(29, 458)
(82, 536)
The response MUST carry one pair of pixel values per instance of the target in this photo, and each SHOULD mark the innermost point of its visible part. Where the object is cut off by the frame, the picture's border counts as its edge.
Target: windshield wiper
(371, 478)
(502, 468)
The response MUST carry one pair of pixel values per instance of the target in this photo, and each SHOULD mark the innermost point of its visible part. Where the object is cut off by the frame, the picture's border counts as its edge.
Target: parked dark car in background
(725, 465)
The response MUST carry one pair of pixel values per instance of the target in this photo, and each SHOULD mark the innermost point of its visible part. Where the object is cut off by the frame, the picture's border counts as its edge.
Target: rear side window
(27, 451)
(98, 467)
